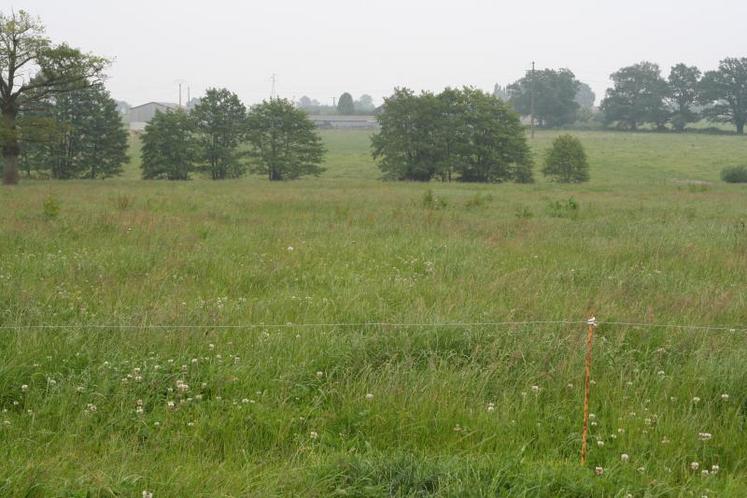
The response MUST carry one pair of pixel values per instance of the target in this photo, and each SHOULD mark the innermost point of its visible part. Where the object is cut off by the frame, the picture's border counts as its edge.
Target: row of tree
(223, 139)
(345, 105)
(640, 96)
(460, 134)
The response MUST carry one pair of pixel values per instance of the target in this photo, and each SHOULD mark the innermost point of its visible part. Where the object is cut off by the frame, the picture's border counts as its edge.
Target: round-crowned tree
(284, 143)
(565, 161)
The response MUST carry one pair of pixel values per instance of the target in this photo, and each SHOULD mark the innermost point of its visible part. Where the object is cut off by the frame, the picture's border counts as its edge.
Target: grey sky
(324, 47)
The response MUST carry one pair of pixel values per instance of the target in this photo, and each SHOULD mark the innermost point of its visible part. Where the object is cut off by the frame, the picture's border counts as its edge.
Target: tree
(32, 70)
(566, 161)
(683, 92)
(637, 97)
(345, 104)
(78, 134)
(364, 105)
(465, 134)
(554, 96)
(495, 147)
(724, 92)
(220, 121)
(408, 144)
(284, 141)
(585, 96)
(501, 92)
(169, 149)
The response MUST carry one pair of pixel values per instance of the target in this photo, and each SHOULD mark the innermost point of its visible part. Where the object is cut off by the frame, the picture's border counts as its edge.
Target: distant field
(378, 410)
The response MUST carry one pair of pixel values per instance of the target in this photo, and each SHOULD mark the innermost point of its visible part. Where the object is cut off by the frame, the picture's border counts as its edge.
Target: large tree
(408, 145)
(220, 120)
(463, 134)
(85, 136)
(345, 104)
(683, 93)
(724, 93)
(637, 97)
(554, 93)
(284, 142)
(169, 148)
(33, 69)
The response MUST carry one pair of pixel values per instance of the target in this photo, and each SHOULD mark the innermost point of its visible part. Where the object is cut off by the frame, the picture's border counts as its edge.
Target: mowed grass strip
(378, 410)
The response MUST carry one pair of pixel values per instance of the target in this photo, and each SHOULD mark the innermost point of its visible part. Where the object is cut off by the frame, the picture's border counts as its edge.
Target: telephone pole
(274, 79)
(531, 102)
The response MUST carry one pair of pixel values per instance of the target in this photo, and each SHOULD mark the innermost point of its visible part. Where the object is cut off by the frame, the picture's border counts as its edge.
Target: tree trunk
(740, 127)
(11, 149)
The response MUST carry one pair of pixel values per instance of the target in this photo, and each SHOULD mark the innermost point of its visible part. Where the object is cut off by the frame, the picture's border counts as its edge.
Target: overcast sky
(322, 48)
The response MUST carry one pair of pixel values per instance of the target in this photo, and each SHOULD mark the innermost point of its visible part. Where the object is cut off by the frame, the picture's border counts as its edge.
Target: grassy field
(471, 409)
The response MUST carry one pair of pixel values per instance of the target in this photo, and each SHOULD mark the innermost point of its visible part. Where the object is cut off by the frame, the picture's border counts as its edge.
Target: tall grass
(377, 410)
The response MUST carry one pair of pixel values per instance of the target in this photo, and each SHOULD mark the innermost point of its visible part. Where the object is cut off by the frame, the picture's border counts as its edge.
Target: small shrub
(566, 161)
(564, 209)
(51, 208)
(123, 202)
(734, 174)
(698, 187)
(430, 201)
(523, 212)
(478, 200)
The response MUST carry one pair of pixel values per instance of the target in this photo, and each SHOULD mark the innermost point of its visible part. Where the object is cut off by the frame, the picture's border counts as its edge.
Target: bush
(735, 174)
(564, 209)
(566, 161)
(51, 208)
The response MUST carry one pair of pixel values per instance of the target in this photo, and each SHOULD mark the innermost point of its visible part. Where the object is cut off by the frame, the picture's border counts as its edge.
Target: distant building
(345, 122)
(141, 115)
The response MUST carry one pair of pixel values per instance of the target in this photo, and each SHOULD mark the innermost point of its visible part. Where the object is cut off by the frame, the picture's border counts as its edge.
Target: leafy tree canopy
(724, 93)
(285, 144)
(32, 70)
(565, 161)
(220, 120)
(638, 97)
(169, 149)
(554, 96)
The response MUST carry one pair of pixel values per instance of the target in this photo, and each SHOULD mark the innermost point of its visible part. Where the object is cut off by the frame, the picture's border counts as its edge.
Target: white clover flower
(704, 436)
(170, 404)
(139, 410)
(147, 494)
(369, 396)
(24, 388)
(320, 374)
(715, 469)
(694, 466)
(599, 471)
(290, 248)
(600, 443)
(491, 407)
(696, 399)
(535, 389)
(313, 435)
(91, 408)
(704, 472)
(725, 397)
(625, 457)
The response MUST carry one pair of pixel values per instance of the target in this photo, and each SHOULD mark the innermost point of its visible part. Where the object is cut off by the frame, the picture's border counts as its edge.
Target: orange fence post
(592, 323)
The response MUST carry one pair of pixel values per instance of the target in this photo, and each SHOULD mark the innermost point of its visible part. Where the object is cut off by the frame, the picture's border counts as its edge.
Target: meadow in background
(474, 410)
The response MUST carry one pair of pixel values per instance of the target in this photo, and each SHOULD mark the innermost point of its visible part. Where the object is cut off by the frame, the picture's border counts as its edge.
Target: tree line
(223, 139)
(640, 95)
(464, 135)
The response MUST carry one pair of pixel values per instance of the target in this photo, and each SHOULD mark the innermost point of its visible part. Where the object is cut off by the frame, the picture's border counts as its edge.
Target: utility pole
(531, 104)
(180, 95)
(334, 101)
(274, 79)
(189, 95)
